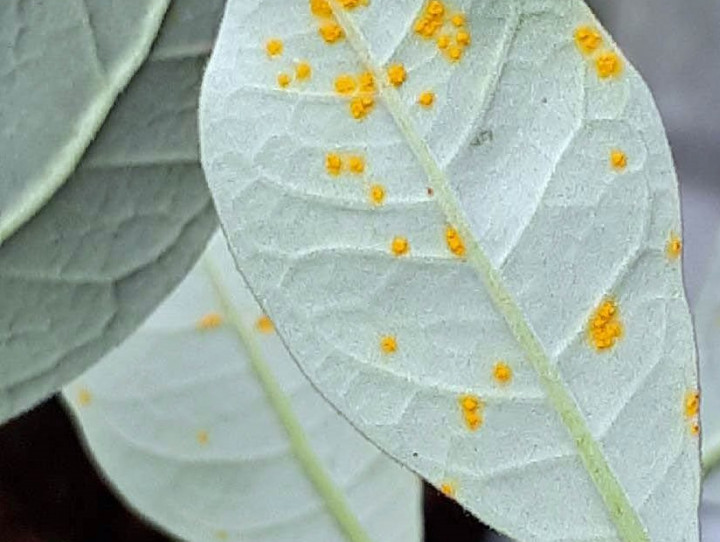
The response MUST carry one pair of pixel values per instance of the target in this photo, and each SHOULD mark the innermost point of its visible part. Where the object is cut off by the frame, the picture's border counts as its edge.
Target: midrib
(626, 520)
(331, 495)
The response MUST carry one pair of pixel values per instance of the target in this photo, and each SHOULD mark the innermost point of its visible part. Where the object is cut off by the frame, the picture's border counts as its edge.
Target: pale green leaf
(62, 64)
(121, 233)
(584, 443)
(205, 425)
(707, 320)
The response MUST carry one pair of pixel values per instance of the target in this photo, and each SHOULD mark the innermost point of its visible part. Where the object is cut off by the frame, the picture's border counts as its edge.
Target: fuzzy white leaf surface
(187, 421)
(532, 195)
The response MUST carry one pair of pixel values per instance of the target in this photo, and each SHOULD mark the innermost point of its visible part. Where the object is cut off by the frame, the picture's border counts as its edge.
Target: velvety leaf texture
(206, 426)
(121, 233)
(465, 224)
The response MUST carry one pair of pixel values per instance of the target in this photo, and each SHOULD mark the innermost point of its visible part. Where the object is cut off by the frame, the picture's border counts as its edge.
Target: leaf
(205, 425)
(62, 65)
(707, 320)
(469, 239)
(121, 233)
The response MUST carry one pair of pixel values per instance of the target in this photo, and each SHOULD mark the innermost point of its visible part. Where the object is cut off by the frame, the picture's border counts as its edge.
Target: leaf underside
(205, 425)
(121, 233)
(495, 297)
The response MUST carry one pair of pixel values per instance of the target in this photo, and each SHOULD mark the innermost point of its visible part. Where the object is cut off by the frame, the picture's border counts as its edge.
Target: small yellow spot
(333, 164)
(618, 159)
(212, 320)
(448, 489)
(274, 47)
(367, 82)
(463, 38)
(377, 194)
(202, 437)
(352, 4)
(222, 535)
(356, 165)
(388, 344)
(400, 246)
(436, 8)
(320, 8)
(588, 39)
(361, 107)
(284, 80)
(426, 99)
(455, 53)
(454, 241)
(674, 246)
(303, 71)
(695, 428)
(458, 20)
(471, 407)
(605, 327)
(84, 397)
(692, 403)
(264, 324)
(608, 64)
(443, 41)
(502, 372)
(396, 75)
(345, 84)
(331, 32)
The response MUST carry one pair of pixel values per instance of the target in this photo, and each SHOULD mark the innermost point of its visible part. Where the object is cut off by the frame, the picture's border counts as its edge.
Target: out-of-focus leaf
(121, 233)
(205, 425)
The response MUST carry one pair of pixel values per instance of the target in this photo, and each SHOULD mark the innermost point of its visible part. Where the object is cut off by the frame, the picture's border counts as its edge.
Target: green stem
(333, 497)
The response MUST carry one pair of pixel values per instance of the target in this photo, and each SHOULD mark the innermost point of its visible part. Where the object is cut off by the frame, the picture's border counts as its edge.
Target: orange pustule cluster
(449, 30)
(605, 327)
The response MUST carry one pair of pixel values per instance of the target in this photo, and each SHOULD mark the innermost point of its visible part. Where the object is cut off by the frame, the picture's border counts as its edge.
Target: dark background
(49, 491)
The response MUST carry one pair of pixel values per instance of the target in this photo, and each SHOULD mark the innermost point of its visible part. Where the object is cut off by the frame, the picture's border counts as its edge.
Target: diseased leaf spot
(400, 246)
(333, 164)
(618, 160)
(426, 99)
(84, 397)
(284, 80)
(588, 39)
(472, 411)
(377, 194)
(502, 373)
(443, 41)
(356, 165)
(430, 191)
(692, 403)
(695, 428)
(274, 47)
(331, 32)
(458, 20)
(202, 437)
(222, 535)
(353, 4)
(345, 84)
(361, 107)
(454, 241)
(448, 489)
(367, 82)
(303, 71)
(210, 321)
(320, 8)
(396, 75)
(674, 247)
(608, 64)
(388, 344)
(605, 327)
(264, 324)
